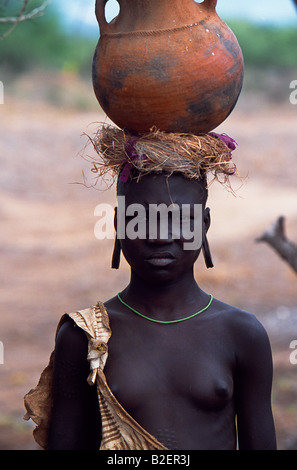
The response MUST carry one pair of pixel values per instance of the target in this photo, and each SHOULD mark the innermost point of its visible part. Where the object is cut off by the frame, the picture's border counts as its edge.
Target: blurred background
(51, 262)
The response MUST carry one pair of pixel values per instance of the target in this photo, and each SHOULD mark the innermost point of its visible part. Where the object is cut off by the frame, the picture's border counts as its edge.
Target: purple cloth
(231, 143)
(133, 155)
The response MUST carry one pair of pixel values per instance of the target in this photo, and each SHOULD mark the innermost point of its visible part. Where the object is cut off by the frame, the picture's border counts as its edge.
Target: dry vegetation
(52, 263)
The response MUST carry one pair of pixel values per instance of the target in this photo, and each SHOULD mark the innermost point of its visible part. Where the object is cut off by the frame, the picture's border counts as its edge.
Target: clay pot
(173, 64)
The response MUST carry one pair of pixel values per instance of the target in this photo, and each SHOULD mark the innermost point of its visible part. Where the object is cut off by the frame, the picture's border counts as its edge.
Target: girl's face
(154, 257)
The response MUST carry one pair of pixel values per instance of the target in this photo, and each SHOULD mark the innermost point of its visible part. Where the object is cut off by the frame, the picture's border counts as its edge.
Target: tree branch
(276, 238)
(23, 17)
(36, 12)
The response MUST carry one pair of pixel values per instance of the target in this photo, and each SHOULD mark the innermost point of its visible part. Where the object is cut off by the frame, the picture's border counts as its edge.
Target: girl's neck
(165, 300)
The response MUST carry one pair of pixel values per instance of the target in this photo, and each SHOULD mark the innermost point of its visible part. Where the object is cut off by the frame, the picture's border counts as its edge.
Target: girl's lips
(160, 259)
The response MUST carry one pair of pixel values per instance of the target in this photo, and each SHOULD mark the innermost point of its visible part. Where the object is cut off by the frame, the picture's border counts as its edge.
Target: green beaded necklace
(165, 322)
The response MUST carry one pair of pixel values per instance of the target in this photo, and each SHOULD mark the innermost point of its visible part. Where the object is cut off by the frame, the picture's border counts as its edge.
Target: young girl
(161, 365)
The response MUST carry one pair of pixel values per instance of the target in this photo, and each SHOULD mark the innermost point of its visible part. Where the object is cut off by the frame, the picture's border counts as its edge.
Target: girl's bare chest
(194, 368)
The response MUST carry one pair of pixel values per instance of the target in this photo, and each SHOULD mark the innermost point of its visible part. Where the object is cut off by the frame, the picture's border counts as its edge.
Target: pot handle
(210, 4)
(100, 15)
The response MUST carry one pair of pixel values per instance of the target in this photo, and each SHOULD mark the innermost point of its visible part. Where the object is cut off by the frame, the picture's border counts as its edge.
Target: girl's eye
(187, 218)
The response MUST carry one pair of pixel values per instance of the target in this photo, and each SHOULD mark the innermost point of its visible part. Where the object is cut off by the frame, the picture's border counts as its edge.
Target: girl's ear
(206, 219)
(116, 255)
(115, 218)
(205, 246)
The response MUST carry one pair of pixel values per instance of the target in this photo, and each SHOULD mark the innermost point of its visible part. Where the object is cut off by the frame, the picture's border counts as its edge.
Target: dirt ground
(51, 261)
